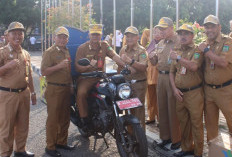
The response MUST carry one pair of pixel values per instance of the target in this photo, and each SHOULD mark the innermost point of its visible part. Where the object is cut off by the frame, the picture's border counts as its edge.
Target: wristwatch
(132, 62)
(33, 93)
(206, 50)
(178, 58)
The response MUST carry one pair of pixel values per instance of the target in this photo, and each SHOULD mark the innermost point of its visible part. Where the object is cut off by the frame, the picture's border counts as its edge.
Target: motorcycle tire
(140, 149)
(83, 133)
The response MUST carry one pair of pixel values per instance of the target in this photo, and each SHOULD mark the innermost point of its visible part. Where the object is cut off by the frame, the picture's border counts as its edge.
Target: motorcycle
(106, 101)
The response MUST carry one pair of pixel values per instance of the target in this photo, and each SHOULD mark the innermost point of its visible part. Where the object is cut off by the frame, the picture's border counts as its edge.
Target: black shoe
(53, 153)
(163, 143)
(149, 121)
(197, 156)
(183, 153)
(24, 154)
(175, 146)
(65, 147)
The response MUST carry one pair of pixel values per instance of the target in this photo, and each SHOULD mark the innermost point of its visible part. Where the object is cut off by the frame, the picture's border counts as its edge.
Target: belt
(18, 90)
(141, 80)
(189, 89)
(221, 85)
(163, 72)
(58, 84)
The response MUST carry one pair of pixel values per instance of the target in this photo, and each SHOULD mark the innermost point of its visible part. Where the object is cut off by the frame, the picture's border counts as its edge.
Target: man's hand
(151, 54)
(178, 94)
(33, 99)
(202, 46)
(63, 64)
(126, 59)
(173, 55)
(93, 62)
(12, 64)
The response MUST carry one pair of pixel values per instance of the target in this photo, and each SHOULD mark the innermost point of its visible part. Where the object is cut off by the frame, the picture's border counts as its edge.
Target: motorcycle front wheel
(135, 142)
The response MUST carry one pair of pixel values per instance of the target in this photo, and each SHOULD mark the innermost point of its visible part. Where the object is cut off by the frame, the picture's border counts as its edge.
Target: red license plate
(129, 103)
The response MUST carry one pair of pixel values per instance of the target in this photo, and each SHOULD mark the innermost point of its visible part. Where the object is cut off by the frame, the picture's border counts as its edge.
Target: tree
(25, 11)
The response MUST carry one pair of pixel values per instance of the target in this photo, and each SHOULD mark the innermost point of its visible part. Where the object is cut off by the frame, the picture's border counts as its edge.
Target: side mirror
(83, 62)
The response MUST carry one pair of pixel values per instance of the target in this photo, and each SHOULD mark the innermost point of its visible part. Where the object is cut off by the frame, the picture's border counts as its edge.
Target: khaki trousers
(152, 108)
(168, 121)
(190, 114)
(84, 85)
(216, 99)
(139, 91)
(14, 121)
(58, 120)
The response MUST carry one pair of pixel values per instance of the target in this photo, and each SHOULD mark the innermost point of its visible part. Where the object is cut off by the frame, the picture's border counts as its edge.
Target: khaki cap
(62, 30)
(5, 32)
(211, 19)
(95, 28)
(185, 27)
(15, 26)
(165, 22)
(132, 30)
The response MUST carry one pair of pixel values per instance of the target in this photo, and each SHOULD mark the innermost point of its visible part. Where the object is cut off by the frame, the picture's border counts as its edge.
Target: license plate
(129, 103)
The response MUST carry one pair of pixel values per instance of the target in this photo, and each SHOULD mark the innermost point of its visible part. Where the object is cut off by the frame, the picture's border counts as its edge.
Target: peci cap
(15, 26)
(185, 27)
(62, 30)
(165, 22)
(132, 30)
(95, 28)
(211, 19)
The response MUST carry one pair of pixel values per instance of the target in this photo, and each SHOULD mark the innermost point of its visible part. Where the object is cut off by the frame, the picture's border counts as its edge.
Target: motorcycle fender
(129, 119)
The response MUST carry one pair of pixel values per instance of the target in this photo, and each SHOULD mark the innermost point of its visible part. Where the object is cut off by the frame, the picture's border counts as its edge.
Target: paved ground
(36, 139)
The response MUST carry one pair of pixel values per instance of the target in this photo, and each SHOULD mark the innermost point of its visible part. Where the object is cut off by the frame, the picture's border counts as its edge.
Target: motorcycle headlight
(124, 91)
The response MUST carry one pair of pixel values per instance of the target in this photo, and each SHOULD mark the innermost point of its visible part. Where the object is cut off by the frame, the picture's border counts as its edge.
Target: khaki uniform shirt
(17, 77)
(53, 56)
(98, 53)
(214, 74)
(163, 52)
(140, 55)
(185, 78)
(145, 37)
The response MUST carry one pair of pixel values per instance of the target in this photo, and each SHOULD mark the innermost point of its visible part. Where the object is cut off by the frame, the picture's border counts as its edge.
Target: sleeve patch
(110, 48)
(196, 55)
(144, 55)
(225, 48)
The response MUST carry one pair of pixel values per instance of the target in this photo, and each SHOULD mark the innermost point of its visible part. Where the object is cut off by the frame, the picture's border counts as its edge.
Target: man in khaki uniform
(145, 38)
(218, 76)
(55, 66)
(168, 122)
(136, 56)
(186, 79)
(16, 85)
(152, 77)
(95, 50)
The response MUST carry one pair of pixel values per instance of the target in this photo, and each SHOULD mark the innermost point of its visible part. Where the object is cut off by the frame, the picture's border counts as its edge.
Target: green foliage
(60, 17)
(24, 11)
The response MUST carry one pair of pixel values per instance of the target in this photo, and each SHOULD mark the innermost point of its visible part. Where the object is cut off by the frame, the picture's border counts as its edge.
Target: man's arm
(178, 94)
(31, 87)
(218, 60)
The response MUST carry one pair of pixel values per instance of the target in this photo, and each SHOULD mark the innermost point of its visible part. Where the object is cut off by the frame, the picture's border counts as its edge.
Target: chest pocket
(58, 59)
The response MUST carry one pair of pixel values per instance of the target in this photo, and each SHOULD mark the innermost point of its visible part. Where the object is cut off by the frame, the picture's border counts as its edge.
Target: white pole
(177, 13)
(68, 8)
(80, 14)
(72, 12)
(101, 7)
(90, 11)
(217, 8)
(59, 3)
(45, 24)
(49, 25)
(41, 29)
(114, 25)
(151, 20)
(132, 12)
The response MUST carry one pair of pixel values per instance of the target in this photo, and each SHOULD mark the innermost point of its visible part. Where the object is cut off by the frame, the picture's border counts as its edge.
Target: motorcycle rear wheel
(139, 147)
